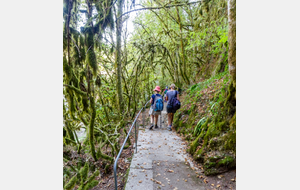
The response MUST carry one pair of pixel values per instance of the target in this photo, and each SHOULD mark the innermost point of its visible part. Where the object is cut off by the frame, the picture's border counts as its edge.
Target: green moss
(126, 177)
(91, 185)
(71, 184)
(209, 164)
(84, 172)
(106, 169)
(214, 143)
(230, 141)
(232, 122)
(221, 126)
(194, 145)
(204, 128)
(180, 124)
(67, 70)
(199, 156)
(91, 56)
(228, 162)
(211, 171)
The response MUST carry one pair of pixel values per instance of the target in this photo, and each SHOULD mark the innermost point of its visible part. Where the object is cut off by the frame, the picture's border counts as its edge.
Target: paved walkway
(161, 162)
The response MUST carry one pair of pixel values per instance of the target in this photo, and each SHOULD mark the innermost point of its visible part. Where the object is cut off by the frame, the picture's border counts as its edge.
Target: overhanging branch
(152, 8)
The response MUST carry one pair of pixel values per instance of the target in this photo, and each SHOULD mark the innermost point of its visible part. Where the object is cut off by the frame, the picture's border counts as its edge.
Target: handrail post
(115, 174)
(121, 149)
(143, 117)
(135, 139)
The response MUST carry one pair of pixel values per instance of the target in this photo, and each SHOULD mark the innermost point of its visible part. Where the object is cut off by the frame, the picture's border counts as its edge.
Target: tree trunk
(232, 40)
(118, 55)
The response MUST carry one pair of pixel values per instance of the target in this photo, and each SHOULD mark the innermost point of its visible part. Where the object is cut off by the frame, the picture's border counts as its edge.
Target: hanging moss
(75, 80)
(82, 49)
(67, 70)
(71, 103)
(91, 56)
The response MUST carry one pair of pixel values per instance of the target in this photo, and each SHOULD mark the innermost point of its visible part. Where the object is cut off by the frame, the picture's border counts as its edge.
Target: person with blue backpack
(157, 106)
(173, 104)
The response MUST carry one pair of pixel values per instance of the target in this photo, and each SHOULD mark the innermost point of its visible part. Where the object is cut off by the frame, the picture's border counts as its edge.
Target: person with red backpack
(173, 104)
(156, 106)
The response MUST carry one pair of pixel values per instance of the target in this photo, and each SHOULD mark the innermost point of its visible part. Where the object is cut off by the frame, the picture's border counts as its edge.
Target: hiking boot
(156, 126)
(169, 128)
(151, 127)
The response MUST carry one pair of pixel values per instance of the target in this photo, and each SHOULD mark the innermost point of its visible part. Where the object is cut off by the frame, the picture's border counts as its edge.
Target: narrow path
(161, 161)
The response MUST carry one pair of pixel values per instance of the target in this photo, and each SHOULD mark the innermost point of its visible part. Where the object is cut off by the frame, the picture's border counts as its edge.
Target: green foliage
(84, 172)
(87, 182)
(198, 126)
(71, 184)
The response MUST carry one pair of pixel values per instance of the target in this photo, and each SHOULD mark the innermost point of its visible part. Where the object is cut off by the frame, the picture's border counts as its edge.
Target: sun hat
(157, 88)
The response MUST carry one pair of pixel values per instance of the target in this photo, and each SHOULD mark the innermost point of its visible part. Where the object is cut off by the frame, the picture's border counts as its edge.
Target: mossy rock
(211, 171)
(215, 143)
(230, 141)
(209, 164)
(216, 165)
(228, 162)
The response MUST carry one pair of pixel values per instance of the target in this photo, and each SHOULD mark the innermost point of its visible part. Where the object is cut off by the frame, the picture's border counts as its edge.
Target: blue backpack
(158, 103)
(174, 102)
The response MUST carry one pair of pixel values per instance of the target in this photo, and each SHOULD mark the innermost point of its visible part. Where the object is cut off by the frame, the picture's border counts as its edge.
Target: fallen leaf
(140, 181)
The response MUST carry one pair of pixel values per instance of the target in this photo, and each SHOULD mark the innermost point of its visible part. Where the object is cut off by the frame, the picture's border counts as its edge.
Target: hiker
(172, 105)
(179, 90)
(165, 93)
(156, 106)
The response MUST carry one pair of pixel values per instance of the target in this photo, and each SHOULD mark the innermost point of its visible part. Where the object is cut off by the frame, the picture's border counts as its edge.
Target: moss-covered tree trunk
(232, 40)
(118, 55)
(91, 60)
(231, 99)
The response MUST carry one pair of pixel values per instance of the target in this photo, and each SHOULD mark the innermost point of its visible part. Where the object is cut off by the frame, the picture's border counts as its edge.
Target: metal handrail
(116, 161)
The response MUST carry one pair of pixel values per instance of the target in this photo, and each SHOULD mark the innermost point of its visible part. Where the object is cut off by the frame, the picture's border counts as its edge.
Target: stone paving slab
(156, 150)
(175, 175)
(139, 179)
(160, 146)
